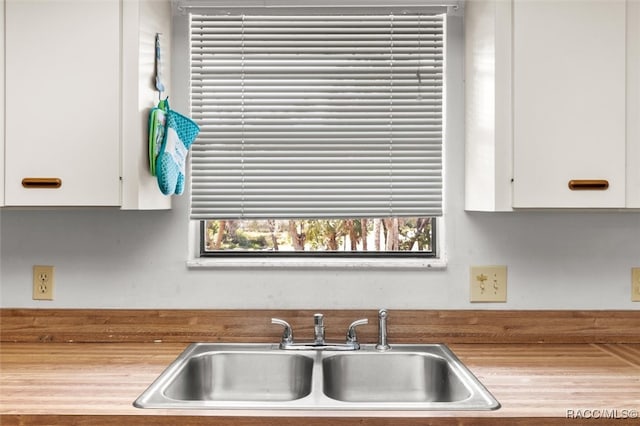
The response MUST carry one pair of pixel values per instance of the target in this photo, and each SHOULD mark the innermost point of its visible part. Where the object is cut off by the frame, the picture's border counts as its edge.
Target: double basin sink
(262, 376)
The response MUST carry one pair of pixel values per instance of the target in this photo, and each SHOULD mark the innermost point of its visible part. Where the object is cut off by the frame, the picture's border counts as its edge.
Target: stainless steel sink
(231, 376)
(392, 377)
(242, 376)
(261, 376)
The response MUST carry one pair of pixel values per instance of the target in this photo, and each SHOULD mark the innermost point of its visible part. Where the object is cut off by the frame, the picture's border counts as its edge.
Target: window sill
(338, 263)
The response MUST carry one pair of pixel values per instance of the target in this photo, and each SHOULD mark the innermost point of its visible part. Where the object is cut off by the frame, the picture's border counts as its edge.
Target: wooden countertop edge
(157, 420)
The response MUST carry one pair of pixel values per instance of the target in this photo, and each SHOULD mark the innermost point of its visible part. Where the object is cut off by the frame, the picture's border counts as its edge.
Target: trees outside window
(320, 235)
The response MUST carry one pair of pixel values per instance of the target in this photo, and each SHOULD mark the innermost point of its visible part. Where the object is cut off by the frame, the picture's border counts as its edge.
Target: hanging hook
(158, 68)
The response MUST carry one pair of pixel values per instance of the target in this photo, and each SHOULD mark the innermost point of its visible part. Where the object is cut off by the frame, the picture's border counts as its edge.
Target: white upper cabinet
(633, 104)
(62, 102)
(1, 103)
(70, 68)
(569, 103)
(561, 99)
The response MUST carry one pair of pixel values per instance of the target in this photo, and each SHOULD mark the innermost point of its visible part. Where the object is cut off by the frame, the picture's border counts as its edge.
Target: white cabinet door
(569, 102)
(63, 101)
(633, 104)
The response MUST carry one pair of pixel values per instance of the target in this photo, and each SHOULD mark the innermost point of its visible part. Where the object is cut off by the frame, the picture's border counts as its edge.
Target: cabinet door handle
(588, 184)
(47, 183)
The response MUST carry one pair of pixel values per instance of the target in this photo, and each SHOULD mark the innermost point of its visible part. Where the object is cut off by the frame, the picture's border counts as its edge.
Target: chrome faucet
(382, 330)
(352, 338)
(318, 329)
(287, 334)
(351, 343)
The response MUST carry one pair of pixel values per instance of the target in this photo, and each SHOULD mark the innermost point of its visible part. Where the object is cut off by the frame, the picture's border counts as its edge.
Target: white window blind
(317, 116)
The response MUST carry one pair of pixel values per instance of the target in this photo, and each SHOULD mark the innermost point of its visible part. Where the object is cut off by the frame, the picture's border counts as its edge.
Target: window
(318, 132)
(365, 237)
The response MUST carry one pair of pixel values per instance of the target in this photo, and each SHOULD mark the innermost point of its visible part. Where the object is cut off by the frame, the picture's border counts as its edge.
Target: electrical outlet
(42, 282)
(635, 284)
(488, 283)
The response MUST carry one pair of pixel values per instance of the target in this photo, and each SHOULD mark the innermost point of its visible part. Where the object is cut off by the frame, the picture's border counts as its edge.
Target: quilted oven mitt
(180, 132)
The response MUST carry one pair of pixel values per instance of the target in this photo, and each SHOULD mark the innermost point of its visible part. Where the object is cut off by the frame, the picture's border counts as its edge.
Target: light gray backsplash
(128, 259)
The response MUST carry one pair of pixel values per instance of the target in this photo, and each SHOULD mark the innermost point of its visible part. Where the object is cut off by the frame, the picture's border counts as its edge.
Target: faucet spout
(318, 328)
(382, 331)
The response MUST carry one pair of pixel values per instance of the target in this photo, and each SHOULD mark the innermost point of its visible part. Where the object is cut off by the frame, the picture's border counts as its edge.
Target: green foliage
(415, 232)
(317, 234)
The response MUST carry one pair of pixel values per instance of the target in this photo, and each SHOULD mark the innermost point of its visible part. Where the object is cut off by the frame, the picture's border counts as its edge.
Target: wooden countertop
(96, 383)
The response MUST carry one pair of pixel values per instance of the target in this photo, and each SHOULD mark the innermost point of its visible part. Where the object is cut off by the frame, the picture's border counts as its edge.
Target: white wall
(128, 259)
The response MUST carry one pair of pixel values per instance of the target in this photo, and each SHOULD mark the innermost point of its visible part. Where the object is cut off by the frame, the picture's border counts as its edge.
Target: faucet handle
(352, 338)
(287, 334)
(318, 319)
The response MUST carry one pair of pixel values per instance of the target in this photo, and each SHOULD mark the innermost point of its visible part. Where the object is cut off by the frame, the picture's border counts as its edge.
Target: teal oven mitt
(180, 132)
